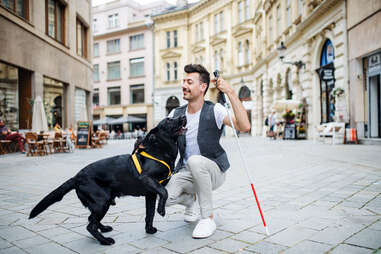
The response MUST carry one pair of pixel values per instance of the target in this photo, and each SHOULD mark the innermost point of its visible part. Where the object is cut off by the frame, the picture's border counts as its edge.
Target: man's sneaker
(204, 228)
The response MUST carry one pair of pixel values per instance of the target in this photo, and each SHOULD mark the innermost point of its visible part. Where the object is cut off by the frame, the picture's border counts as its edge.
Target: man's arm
(240, 119)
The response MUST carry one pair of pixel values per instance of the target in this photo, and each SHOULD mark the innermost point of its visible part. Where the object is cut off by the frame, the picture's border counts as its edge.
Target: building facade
(364, 47)
(44, 51)
(123, 61)
(241, 38)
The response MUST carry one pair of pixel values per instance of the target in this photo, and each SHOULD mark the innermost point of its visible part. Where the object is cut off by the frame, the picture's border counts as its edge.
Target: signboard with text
(83, 134)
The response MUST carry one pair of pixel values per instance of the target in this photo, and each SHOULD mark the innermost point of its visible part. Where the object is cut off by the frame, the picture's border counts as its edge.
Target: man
(203, 162)
(5, 134)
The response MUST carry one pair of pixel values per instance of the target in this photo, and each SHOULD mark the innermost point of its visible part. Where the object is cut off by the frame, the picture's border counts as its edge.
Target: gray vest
(208, 137)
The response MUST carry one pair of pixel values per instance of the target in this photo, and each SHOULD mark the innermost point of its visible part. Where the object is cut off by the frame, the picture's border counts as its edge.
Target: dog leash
(139, 168)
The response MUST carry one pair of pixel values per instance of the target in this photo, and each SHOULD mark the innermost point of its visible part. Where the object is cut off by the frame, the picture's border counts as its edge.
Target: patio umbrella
(104, 120)
(39, 122)
(128, 119)
(284, 104)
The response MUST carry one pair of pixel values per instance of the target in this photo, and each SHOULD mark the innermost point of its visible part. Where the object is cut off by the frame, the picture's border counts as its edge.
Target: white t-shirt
(192, 147)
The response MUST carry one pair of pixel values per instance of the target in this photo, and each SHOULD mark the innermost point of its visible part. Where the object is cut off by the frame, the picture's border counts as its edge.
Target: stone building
(123, 61)
(44, 51)
(241, 38)
(364, 47)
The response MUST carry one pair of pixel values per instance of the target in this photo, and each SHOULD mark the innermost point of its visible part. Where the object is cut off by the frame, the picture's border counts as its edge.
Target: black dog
(99, 183)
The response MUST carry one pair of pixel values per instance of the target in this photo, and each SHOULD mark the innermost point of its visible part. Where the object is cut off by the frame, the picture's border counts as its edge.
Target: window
(19, 7)
(175, 38)
(113, 70)
(201, 60)
(288, 10)
(137, 94)
(216, 60)
(81, 39)
(221, 59)
(201, 31)
(168, 66)
(197, 33)
(240, 12)
(96, 72)
(247, 52)
(216, 27)
(96, 97)
(95, 25)
(270, 29)
(175, 70)
(137, 67)
(300, 7)
(289, 86)
(168, 39)
(278, 20)
(113, 46)
(96, 49)
(137, 41)
(247, 9)
(113, 94)
(55, 13)
(222, 21)
(240, 54)
(113, 20)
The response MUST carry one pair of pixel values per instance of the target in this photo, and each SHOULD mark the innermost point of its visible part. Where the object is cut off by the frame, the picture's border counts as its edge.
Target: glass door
(374, 106)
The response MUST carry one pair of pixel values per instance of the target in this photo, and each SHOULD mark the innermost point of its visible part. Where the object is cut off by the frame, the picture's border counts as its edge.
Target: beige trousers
(200, 176)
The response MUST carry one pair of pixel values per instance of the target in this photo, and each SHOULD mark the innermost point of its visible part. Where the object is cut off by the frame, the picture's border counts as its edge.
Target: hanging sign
(374, 65)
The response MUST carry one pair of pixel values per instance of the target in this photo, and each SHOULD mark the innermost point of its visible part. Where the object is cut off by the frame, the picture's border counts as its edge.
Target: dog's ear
(150, 139)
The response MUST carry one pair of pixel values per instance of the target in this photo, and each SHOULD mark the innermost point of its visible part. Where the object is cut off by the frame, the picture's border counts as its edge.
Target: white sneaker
(204, 228)
(189, 214)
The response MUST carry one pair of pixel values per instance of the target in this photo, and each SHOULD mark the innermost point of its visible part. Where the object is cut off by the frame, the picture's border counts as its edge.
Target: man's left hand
(222, 85)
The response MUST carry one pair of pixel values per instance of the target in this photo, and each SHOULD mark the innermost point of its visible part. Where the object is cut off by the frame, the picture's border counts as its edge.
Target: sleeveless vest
(208, 137)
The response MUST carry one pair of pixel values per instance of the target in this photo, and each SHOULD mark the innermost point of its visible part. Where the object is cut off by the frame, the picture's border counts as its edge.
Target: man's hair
(204, 74)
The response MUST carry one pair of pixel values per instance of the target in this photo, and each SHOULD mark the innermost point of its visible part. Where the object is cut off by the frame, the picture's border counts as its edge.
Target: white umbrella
(39, 122)
(281, 105)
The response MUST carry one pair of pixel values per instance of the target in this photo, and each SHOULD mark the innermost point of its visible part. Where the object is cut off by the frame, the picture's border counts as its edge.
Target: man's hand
(222, 85)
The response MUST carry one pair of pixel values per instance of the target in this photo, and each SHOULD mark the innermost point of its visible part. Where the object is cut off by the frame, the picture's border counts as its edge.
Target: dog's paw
(161, 210)
(108, 241)
(105, 229)
(151, 230)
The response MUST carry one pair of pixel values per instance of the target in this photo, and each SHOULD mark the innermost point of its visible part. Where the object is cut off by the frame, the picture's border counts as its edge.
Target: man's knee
(194, 162)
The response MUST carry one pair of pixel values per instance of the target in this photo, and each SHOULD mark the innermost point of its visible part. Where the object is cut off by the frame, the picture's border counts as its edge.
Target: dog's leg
(157, 188)
(93, 230)
(150, 213)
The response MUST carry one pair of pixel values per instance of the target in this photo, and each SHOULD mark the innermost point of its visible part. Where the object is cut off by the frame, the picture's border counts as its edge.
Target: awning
(128, 119)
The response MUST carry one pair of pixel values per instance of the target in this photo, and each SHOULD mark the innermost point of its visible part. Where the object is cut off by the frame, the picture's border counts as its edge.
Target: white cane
(227, 106)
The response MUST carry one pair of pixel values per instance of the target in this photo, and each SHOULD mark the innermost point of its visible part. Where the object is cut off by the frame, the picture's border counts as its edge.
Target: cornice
(170, 54)
(242, 28)
(196, 48)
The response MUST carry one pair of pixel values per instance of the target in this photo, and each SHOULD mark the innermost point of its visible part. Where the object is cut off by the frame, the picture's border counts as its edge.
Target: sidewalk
(316, 198)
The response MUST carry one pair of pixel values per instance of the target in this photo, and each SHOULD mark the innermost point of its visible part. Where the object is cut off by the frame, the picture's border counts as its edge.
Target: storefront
(372, 65)
(54, 102)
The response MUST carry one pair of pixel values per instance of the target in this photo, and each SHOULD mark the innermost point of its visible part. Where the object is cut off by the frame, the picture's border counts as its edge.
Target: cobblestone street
(316, 198)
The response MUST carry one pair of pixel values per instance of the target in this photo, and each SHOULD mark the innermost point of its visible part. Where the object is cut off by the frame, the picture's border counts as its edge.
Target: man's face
(192, 86)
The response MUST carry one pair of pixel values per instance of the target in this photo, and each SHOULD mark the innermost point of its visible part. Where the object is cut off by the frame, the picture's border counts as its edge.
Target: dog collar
(139, 168)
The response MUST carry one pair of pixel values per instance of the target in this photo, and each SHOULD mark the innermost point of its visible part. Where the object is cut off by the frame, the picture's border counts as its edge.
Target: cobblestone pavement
(316, 198)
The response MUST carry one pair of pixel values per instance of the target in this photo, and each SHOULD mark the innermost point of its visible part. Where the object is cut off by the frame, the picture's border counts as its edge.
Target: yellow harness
(139, 168)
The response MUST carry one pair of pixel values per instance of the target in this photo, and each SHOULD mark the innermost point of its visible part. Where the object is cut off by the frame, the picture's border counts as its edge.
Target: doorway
(374, 106)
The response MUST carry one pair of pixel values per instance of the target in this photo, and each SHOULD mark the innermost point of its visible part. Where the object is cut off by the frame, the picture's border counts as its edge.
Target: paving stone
(249, 237)
(148, 243)
(345, 248)
(291, 236)
(367, 238)
(207, 250)
(229, 245)
(335, 235)
(16, 233)
(50, 248)
(31, 242)
(309, 247)
(13, 250)
(264, 247)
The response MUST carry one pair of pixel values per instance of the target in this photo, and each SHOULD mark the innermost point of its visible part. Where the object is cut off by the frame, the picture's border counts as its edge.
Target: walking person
(203, 162)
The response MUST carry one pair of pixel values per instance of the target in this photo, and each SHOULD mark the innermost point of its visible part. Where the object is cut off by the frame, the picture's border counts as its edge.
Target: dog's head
(167, 131)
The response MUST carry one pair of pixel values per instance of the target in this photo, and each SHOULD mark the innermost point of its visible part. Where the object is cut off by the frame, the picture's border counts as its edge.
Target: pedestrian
(203, 162)
(6, 134)
(57, 127)
(272, 122)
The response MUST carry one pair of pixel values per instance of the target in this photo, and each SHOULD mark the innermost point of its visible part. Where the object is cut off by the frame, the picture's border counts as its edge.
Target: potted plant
(289, 116)
(338, 91)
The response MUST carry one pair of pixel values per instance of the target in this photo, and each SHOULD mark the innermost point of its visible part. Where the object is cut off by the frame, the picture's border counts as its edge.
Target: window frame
(111, 90)
(132, 89)
(136, 41)
(96, 55)
(63, 21)
(108, 70)
(114, 43)
(138, 59)
(84, 34)
(96, 72)
(14, 9)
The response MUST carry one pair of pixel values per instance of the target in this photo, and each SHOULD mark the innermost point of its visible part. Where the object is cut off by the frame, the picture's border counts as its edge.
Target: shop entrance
(374, 107)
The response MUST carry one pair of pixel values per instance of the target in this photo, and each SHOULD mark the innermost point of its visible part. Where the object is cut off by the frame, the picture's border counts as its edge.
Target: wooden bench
(333, 130)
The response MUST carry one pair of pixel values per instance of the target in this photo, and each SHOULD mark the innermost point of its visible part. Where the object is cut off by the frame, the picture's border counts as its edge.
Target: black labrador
(99, 183)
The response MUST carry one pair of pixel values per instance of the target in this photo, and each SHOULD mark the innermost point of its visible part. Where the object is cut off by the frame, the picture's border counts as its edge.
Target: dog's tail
(53, 197)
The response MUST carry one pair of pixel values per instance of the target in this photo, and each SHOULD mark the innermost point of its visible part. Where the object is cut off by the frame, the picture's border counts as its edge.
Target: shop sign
(374, 64)
(83, 134)
(327, 74)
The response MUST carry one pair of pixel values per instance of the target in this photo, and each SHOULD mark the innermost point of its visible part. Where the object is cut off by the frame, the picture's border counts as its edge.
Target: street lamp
(282, 50)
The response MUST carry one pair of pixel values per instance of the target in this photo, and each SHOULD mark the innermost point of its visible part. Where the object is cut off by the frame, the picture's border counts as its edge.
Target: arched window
(289, 85)
(244, 94)
(171, 104)
(175, 70)
(327, 54)
(168, 72)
